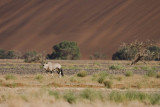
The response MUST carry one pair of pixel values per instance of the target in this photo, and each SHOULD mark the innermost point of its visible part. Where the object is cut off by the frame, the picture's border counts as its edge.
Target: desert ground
(91, 83)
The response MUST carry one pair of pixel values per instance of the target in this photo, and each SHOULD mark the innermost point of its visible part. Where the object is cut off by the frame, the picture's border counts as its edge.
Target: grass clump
(70, 97)
(154, 99)
(119, 78)
(54, 93)
(116, 67)
(128, 73)
(108, 83)
(148, 68)
(88, 94)
(82, 74)
(151, 74)
(158, 75)
(127, 96)
(11, 85)
(10, 77)
(146, 98)
(100, 77)
(116, 96)
(39, 77)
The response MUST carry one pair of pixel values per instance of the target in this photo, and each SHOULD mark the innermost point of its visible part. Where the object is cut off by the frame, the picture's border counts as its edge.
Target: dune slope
(96, 25)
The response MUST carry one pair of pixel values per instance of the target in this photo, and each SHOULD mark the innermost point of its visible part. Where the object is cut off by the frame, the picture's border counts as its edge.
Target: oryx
(53, 67)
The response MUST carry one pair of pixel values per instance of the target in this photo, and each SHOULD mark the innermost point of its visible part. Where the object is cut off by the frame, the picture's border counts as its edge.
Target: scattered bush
(11, 85)
(2, 54)
(102, 76)
(39, 77)
(116, 67)
(10, 54)
(128, 73)
(158, 75)
(32, 56)
(54, 93)
(151, 73)
(88, 94)
(125, 53)
(10, 77)
(138, 51)
(148, 68)
(70, 97)
(101, 80)
(98, 55)
(75, 79)
(108, 83)
(82, 74)
(116, 96)
(119, 78)
(65, 50)
(129, 96)
(156, 51)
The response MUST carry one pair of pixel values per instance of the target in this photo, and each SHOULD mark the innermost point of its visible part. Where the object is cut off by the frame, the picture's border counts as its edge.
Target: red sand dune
(96, 25)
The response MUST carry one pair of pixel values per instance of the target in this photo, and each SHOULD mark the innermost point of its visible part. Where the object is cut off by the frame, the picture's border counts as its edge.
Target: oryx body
(53, 67)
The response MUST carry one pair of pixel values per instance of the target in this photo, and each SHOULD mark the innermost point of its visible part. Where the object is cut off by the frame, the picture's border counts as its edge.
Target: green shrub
(128, 73)
(82, 74)
(116, 67)
(116, 96)
(148, 68)
(128, 96)
(151, 73)
(65, 50)
(75, 79)
(154, 99)
(32, 56)
(103, 74)
(101, 80)
(54, 93)
(10, 77)
(119, 78)
(70, 97)
(133, 95)
(100, 77)
(98, 55)
(108, 83)
(135, 68)
(88, 94)
(39, 77)
(158, 75)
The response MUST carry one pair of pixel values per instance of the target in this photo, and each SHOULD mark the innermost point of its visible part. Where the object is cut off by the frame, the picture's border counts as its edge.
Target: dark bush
(137, 51)
(31, 56)
(65, 50)
(2, 54)
(98, 55)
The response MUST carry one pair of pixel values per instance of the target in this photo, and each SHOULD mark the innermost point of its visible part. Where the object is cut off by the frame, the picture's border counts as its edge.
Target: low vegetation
(116, 67)
(39, 77)
(128, 73)
(10, 77)
(82, 74)
(158, 75)
(70, 97)
(108, 83)
(146, 98)
(82, 87)
(151, 73)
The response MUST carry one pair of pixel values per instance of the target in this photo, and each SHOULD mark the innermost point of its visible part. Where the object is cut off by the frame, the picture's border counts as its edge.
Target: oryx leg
(60, 72)
(52, 73)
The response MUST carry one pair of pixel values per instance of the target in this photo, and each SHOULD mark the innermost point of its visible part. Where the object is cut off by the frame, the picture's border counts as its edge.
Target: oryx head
(43, 62)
